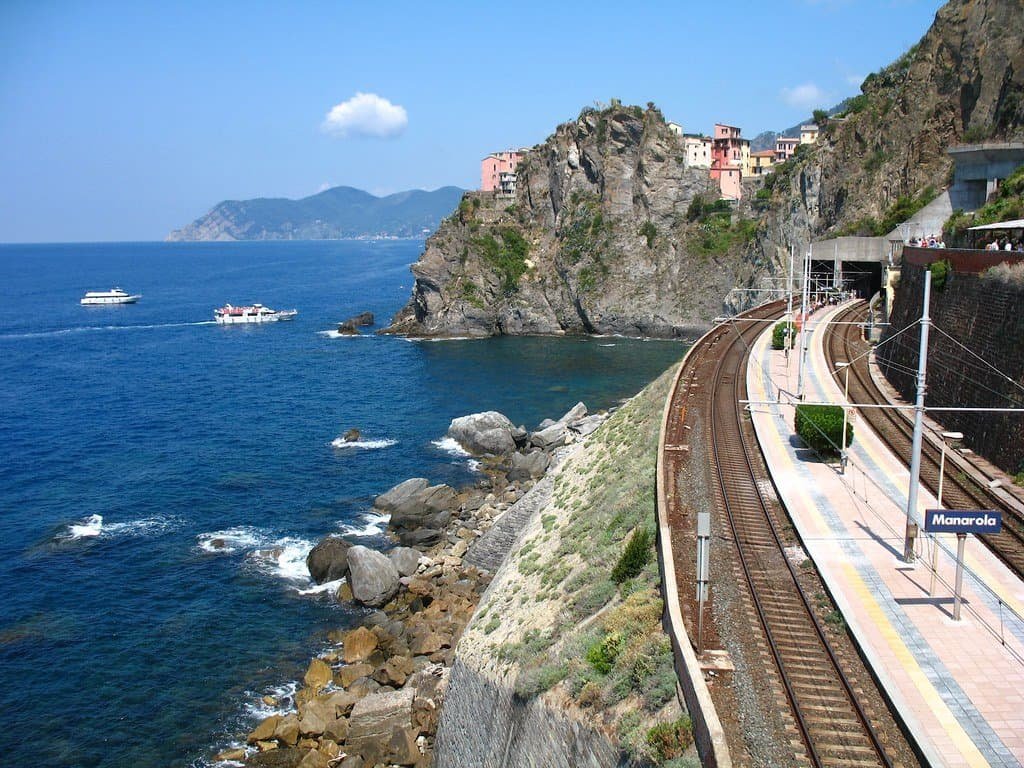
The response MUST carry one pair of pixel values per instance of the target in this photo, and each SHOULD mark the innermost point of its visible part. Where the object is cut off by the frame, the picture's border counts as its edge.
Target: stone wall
(484, 724)
(986, 315)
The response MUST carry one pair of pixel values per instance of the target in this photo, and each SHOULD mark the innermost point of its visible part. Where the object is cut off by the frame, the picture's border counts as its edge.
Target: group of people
(927, 242)
(1004, 245)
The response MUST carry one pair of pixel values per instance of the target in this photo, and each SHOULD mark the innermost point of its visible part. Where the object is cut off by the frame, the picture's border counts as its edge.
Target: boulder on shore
(373, 577)
(400, 495)
(328, 560)
(487, 432)
(527, 466)
(406, 560)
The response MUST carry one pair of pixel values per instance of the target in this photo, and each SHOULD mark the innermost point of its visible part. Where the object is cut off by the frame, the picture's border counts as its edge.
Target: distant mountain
(339, 212)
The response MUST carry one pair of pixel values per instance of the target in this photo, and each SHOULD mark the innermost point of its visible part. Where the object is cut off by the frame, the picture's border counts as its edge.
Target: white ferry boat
(257, 313)
(113, 296)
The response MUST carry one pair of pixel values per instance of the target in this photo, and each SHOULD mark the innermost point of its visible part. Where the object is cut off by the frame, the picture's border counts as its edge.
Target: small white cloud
(366, 114)
(805, 96)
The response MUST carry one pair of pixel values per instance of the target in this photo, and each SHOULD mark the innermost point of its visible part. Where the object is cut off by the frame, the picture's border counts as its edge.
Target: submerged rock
(351, 435)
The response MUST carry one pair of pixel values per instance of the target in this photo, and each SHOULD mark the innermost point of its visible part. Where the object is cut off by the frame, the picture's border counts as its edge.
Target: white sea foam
(451, 447)
(284, 558)
(94, 328)
(328, 586)
(474, 465)
(283, 701)
(374, 524)
(606, 345)
(232, 539)
(88, 528)
(93, 527)
(366, 445)
(336, 335)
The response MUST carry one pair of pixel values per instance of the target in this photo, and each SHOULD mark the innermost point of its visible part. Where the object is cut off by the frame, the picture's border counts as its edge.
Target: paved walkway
(958, 685)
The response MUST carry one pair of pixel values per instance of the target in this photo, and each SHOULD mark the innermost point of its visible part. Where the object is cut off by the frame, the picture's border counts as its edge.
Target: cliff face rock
(596, 241)
(340, 212)
(962, 83)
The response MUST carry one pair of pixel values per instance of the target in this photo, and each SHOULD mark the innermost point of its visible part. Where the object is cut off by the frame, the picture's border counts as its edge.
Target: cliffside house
(762, 162)
(676, 128)
(498, 172)
(730, 160)
(697, 151)
(808, 134)
(785, 146)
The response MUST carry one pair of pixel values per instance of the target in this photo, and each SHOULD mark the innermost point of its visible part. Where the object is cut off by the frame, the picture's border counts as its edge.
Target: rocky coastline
(374, 697)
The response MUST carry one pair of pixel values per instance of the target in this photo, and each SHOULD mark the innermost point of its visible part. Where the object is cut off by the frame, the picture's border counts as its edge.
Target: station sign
(963, 521)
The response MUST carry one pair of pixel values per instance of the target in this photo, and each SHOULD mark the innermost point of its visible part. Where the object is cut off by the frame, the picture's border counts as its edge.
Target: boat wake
(95, 328)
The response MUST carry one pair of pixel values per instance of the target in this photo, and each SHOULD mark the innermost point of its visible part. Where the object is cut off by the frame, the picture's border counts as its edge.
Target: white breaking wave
(451, 447)
(366, 445)
(606, 345)
(374, 524)
(231, 540)
(284, 558)
(93, 328)
(283, 701)
(474, 465)
(336, 335)
(327, 586)
(90, 527)
(93, 527)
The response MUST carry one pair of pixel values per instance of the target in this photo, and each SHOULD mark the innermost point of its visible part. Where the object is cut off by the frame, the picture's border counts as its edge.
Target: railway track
(833, 726)
(895, 428)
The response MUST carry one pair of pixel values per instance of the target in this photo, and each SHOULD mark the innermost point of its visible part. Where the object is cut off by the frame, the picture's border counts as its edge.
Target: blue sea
(132, 437)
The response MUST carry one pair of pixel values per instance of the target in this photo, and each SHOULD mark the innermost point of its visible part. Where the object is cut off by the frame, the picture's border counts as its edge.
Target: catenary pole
(910, 534)
(804, 301)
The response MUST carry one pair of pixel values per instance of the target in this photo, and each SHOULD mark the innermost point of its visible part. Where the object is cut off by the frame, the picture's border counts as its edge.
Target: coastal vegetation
(582, 614)
(715, 229)
(506, 254)
(779, 333)
(903, 209)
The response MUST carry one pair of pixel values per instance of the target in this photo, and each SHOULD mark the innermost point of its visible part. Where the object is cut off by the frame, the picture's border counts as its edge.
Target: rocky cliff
(339, 212)
(604, 236)
(962, 83)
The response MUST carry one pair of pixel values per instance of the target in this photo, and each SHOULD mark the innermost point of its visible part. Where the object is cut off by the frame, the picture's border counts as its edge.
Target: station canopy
(1014, 224)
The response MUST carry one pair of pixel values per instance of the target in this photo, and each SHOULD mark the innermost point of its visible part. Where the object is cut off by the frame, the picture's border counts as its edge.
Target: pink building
(730, 159)
(498, 172)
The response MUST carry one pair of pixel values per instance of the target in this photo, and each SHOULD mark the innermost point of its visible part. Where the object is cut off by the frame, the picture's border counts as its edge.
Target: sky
(120, 121)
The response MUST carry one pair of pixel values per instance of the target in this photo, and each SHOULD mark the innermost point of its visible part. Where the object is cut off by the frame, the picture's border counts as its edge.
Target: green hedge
(821, 427)
(779, 335)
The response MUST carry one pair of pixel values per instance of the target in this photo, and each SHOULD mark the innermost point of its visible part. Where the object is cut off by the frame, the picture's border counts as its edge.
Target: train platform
(958, 685)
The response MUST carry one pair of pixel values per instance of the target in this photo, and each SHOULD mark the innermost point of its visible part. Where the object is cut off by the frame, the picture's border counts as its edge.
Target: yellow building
(761, 162)
(808, 134)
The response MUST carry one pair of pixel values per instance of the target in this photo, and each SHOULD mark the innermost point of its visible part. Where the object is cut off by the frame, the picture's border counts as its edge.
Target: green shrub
(536, 680)
(940, 273)
(821, 427)
(670, 740)
(634, 557)
(649, 231)
(779, 335)
(507, 257)
(602, 654)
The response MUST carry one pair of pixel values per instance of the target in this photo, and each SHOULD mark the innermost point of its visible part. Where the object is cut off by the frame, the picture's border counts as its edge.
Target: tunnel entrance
(864, 278)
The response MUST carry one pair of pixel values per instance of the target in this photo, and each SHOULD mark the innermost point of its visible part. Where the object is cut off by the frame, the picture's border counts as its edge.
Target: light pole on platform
(948, 439)
(845, 366)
